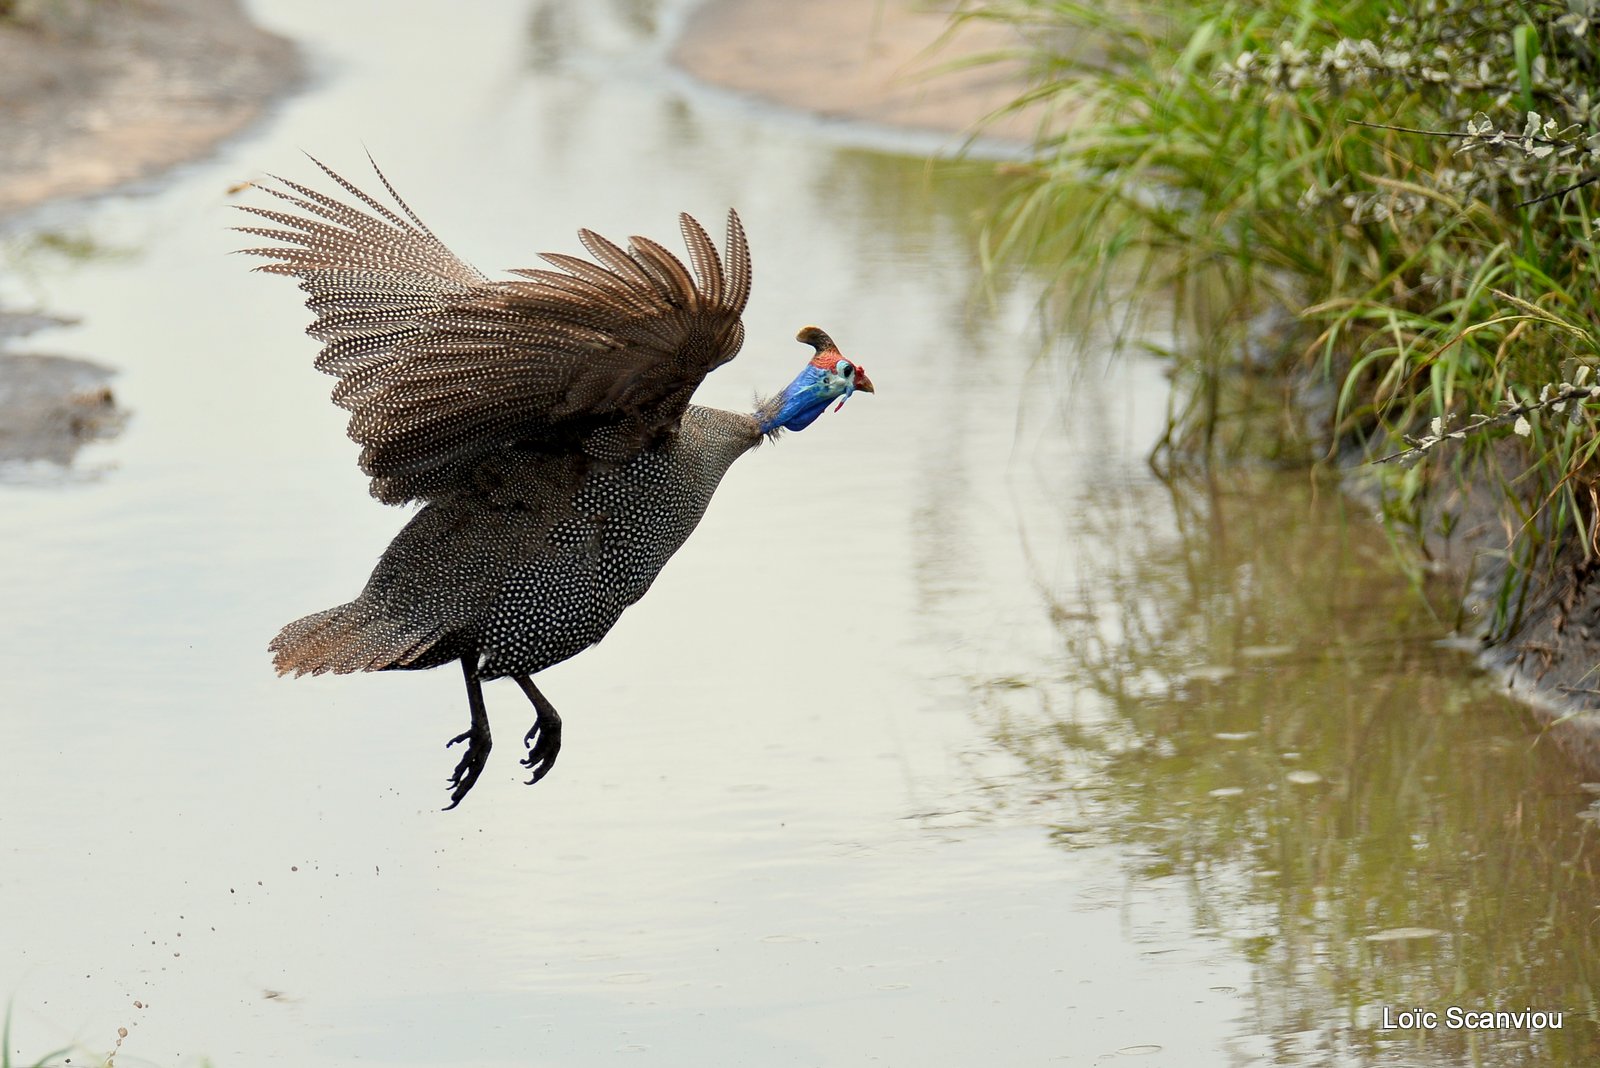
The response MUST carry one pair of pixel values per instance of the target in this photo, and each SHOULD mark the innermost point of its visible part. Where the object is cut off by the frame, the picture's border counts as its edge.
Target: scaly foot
(544, 745)
(476, 736)
(544, 737)
(471, 765)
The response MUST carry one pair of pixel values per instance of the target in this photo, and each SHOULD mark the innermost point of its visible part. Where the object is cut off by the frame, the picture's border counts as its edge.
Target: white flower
(1522, 427)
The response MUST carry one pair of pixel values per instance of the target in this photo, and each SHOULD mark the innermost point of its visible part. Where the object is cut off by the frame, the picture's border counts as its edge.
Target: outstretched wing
(439, 366)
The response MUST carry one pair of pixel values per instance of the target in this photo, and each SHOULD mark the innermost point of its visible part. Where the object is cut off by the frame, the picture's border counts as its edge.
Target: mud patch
(95, 95)
(894, 62)
(50, 407)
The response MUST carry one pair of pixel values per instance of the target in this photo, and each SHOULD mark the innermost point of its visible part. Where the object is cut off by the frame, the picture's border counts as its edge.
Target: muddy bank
(1549, 659)
(869, 61)
(1551, 662)
(92, 96)
(95, 95)
(50, 407)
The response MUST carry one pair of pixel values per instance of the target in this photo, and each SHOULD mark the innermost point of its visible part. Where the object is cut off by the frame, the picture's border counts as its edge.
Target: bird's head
(829, 376)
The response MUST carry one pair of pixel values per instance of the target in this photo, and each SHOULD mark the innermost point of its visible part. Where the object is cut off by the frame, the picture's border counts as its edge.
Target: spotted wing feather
(440, 367)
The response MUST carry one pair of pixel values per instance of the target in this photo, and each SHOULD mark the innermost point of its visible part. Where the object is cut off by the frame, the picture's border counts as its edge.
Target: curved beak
(863, 383)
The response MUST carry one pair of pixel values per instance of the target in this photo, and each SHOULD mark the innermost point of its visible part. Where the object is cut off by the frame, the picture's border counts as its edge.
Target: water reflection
(559, 32)
(50, 408)
(1252, 701)
(51, 405)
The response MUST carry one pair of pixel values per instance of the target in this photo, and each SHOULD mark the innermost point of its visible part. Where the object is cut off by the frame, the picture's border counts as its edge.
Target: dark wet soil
(50, 406)
(1548, 657)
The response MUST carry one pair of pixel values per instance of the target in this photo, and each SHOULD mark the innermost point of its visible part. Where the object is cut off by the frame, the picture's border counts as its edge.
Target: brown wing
(438, 366)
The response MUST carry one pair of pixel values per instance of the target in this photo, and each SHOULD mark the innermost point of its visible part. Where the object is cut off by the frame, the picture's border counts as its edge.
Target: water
(951, 737)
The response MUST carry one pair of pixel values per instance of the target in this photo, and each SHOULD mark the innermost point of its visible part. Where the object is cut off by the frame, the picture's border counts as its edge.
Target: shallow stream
(953, 737)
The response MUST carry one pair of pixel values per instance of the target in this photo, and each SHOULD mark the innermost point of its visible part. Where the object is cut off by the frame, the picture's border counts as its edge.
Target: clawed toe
(478, 742)
(470, 767)
(544, 737)
(544, 745)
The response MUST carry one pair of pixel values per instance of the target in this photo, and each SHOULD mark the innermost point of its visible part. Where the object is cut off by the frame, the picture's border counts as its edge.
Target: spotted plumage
(544, 424)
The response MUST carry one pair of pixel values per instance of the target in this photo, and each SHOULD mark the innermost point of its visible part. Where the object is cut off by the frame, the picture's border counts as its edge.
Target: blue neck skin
(802, 400)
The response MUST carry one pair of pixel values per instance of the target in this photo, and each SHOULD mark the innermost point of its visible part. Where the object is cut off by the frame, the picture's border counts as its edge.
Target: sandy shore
(871, 60)
(94, 94)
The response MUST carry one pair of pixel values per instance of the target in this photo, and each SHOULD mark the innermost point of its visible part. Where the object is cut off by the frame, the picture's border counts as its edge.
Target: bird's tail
(351, 637)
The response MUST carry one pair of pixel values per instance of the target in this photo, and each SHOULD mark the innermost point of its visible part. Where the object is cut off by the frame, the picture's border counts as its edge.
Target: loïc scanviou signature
(1457, 1018)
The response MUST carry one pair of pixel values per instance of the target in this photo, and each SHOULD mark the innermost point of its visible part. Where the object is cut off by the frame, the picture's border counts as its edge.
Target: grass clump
(1412, 187)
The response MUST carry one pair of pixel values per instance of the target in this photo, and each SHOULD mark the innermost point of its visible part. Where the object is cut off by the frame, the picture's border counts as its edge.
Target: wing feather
(670, 275)
(440, 367)
(703, 254)
(618, 262)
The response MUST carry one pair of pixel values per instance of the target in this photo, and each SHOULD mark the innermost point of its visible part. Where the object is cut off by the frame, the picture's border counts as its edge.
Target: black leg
(544, 737)
(476, 737)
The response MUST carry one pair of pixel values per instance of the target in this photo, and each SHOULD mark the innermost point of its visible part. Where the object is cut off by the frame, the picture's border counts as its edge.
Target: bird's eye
(844, 369)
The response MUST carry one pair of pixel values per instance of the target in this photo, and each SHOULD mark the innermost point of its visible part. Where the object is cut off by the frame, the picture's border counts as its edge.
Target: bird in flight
(544, 424)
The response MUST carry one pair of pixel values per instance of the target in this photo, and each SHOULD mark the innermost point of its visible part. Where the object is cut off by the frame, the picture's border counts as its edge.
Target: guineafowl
(543, 423)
